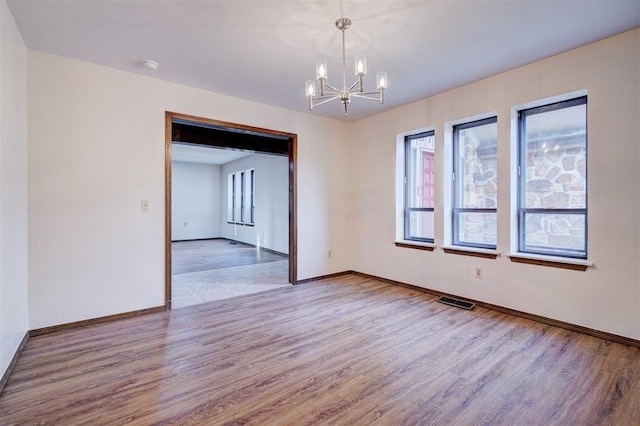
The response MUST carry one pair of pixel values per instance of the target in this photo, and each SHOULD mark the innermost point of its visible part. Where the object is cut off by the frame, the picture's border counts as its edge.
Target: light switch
(144, 205)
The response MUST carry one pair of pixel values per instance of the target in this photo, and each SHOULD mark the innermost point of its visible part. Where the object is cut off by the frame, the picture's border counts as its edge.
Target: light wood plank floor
(343, 351)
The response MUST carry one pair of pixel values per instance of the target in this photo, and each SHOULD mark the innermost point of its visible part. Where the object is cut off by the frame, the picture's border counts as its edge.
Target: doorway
(187, 129)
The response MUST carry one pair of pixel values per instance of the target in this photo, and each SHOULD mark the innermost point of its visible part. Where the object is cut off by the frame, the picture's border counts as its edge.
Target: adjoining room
(229, 223)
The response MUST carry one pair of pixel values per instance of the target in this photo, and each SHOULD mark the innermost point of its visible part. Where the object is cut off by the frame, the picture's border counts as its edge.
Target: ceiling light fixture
(356, 90)
(150, 65)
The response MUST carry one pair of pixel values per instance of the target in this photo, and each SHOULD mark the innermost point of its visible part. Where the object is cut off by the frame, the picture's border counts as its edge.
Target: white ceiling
(205, 154)
(264, 50)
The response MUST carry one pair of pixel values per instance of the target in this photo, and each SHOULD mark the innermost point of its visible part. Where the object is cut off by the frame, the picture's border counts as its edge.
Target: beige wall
(271, 228)
(96, 148)
(13, 188)
(605, 297)
(196, 190)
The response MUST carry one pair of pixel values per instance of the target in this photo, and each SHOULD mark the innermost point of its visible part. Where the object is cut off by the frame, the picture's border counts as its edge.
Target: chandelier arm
(322, 98)
(378, 92)
(353, 86)
(363, 96)
(326, 100)
(332, 88)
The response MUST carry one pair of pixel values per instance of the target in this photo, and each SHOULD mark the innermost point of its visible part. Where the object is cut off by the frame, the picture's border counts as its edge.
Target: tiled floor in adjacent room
(210, 270)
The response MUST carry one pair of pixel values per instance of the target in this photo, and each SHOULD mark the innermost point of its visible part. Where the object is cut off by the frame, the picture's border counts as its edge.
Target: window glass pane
(555, 233)
(476, 172)
(421, 225)
(252, 196)
(237, 202)
(477, 228)
(555, 159)
(242, 185)
(230, 196)
(420, 173)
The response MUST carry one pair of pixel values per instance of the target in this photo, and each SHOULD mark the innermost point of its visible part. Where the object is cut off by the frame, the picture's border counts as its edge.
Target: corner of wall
(13, 191)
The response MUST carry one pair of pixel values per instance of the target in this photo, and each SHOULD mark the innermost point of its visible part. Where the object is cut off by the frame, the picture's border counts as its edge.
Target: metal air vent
(456, 302)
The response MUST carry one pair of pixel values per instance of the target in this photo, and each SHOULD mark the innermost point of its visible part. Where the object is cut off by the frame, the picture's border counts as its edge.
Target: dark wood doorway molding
(270, 141)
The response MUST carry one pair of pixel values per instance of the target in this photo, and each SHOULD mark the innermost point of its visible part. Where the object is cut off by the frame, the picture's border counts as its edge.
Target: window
(419, 187)
(252, 195)
(231, 197)
(241, 198)
(475, 183)
(552, 179)
(237, 201)
(242, 185)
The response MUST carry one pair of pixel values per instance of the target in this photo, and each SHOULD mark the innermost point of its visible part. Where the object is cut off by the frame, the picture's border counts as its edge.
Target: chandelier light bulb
(311, 88)
(321, 69)
(361, 65)
(382, 80)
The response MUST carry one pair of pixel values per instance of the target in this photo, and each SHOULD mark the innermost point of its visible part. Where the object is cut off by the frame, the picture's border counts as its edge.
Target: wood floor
(343, 351)
(204, 255)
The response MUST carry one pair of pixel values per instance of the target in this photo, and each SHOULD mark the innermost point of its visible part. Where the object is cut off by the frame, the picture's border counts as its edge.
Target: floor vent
(457, 303)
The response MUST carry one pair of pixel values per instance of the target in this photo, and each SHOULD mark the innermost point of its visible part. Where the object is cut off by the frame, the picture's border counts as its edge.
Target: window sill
(552, 261)
(416, 245)
(471, 251)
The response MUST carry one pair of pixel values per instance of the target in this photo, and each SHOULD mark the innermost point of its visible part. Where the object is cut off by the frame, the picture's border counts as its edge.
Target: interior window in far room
(231, 197)
(252, 196)
(242, 204)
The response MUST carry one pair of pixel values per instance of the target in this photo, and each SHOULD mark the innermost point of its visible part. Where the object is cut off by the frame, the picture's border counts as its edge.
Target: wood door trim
(168, 119)
(293, 160)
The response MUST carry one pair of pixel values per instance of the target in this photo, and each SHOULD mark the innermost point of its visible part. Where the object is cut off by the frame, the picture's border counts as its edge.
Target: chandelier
(356, 90)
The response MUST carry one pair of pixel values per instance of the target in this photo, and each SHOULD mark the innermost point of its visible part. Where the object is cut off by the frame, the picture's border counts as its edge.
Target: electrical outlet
(186, 224)
(478, 273)
(329, 254)
(144, 205)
